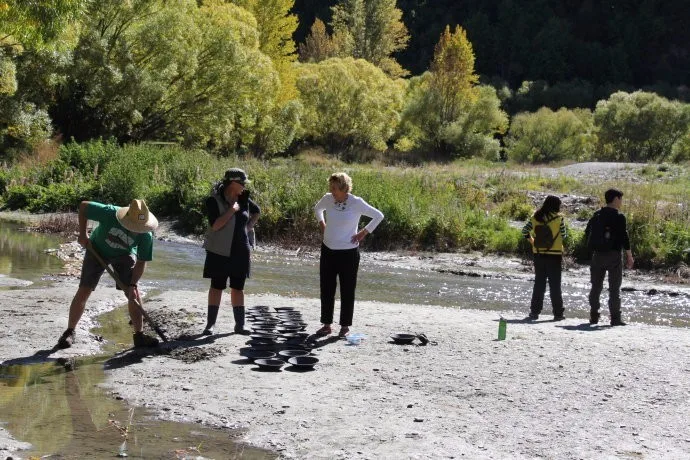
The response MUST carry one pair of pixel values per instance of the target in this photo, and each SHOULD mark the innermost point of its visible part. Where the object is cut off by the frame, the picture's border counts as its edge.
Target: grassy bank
(459, 206)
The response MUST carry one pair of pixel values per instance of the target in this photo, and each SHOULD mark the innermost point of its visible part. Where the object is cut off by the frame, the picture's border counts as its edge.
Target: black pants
(342, 264)
(602, 262)
(547, 267)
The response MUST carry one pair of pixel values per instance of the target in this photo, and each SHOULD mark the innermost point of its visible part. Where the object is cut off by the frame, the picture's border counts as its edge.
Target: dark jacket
(619, 232)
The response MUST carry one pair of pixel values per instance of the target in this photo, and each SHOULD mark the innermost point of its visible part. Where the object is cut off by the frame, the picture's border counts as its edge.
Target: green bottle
(502, 325)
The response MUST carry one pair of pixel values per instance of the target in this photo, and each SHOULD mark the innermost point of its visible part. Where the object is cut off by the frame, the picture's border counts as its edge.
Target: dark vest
(220, 242)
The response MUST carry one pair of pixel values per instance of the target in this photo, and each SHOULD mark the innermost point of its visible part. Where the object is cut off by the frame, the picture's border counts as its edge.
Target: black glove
(243, 200)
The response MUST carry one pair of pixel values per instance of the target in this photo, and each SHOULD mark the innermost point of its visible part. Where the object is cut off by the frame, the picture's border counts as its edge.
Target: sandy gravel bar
(551, 390)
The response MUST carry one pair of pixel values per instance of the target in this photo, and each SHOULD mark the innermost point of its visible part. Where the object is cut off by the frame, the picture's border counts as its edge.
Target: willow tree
(276, 25)
(372, 30)
(28, 25)
(36, 23)
(349, 101)
(171, 70)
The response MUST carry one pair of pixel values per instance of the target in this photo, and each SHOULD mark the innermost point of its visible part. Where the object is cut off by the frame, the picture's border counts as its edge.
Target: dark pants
(602, 262)
(342, 264)
(92, 270)
(547, 267)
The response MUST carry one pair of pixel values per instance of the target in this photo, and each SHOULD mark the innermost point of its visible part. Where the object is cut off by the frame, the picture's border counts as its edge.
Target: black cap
(237, 175)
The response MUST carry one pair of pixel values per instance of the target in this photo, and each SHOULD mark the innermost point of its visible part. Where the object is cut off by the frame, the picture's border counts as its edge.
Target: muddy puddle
(66, 414)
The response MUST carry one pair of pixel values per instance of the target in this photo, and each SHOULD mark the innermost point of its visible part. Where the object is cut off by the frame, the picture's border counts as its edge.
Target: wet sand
(551, 390)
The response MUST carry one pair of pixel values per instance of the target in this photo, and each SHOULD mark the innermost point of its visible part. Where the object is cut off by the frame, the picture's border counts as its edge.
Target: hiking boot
(594, 318)
(558, 317)
(66, 339)
(143, 340)
(212, 316)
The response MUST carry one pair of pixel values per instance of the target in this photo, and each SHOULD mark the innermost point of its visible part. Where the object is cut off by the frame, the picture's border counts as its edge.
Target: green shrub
(640, 127)
(515, 209)
(89, 158)
(349, 101)
(21, 196)
(546, 136)
(4, 181)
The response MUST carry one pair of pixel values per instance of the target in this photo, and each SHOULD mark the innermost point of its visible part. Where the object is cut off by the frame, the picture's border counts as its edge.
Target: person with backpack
(546, 232)
(231, 216)
(606, 235)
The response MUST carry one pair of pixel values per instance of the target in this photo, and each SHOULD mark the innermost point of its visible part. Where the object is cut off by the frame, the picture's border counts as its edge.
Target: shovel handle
(124, 289)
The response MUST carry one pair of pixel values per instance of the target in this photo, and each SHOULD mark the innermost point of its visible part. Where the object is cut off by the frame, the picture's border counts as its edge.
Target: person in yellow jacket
(546, 232)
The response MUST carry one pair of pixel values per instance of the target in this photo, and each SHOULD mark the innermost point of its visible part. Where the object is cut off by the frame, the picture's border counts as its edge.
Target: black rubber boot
(211, 319)
(238, 312)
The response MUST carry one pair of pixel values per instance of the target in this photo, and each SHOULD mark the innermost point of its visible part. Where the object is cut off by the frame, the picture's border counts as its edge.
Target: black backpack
(600, 237)
(543, 237)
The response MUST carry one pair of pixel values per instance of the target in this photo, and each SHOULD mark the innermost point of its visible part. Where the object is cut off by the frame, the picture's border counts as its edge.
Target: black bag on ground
(543, 237)
(600, 237)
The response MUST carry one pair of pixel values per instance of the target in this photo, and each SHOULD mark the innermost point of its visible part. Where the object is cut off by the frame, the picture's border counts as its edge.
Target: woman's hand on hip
(359, 236)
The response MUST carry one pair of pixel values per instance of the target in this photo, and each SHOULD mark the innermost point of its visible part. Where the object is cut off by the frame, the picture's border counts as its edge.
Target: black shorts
(91, 270)
(219, 282)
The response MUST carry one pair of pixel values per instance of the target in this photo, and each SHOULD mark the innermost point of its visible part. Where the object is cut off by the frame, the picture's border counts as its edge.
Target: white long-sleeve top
(342, 219)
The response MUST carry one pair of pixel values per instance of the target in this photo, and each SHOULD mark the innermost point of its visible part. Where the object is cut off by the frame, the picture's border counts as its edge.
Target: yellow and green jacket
(556, 224)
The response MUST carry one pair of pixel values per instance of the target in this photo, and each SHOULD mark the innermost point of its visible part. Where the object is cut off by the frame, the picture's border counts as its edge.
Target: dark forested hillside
(634, 42)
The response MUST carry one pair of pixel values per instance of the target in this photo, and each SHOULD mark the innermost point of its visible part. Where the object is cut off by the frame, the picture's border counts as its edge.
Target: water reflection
(67, 415)
(23, 256)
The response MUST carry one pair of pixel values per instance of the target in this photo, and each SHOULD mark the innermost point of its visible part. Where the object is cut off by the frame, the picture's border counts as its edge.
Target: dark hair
(611, 194)
(218, 188)
(552, 205)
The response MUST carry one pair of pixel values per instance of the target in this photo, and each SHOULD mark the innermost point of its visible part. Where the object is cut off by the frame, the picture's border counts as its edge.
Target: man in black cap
(606, 235)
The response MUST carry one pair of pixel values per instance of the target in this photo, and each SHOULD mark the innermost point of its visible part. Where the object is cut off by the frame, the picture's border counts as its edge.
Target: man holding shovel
(124, 239)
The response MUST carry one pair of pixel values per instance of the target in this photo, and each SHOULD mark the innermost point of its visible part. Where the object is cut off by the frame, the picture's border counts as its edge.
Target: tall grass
(460, 206)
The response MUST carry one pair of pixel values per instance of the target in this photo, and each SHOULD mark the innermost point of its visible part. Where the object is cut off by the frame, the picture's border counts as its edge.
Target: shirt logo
(118, 239)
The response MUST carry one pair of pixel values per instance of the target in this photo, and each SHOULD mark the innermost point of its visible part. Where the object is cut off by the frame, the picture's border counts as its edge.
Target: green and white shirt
(113, 240)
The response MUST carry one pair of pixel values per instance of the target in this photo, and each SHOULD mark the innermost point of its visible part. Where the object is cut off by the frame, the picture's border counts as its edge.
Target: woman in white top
(340, 248)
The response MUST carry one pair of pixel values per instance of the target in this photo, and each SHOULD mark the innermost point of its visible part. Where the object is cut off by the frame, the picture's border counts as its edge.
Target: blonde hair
(342, 181)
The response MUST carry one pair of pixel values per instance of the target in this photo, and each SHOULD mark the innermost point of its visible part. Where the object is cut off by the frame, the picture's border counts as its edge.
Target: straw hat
(136, 217)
